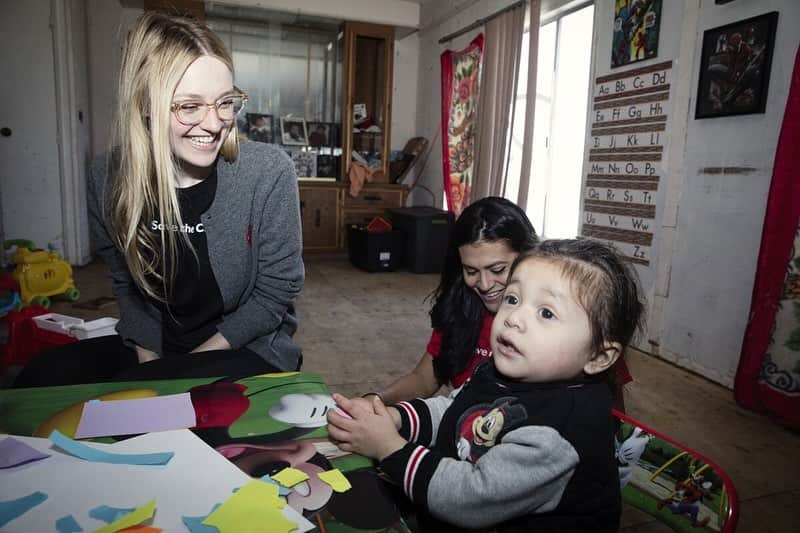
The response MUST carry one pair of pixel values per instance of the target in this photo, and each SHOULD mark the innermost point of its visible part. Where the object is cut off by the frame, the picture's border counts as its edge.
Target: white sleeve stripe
(413, 419)
(411, 469)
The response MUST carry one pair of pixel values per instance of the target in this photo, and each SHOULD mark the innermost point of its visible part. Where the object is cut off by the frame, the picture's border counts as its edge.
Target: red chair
(676, 485)
(26, 339)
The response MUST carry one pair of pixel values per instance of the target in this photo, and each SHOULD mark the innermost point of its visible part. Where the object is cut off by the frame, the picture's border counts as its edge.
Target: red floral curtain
(460, 86)
(768, 378)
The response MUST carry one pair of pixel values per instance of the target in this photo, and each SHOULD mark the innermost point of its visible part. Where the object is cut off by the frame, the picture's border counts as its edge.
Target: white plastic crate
(76, 327)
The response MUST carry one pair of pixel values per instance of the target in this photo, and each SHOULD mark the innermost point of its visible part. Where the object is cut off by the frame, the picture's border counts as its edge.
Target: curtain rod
(481, 22)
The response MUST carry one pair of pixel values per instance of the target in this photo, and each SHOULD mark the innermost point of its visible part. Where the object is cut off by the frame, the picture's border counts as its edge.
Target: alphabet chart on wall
(625, 151)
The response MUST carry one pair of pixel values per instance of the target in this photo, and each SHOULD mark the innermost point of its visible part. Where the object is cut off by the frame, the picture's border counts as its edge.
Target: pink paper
(141, 415)
(14, 452)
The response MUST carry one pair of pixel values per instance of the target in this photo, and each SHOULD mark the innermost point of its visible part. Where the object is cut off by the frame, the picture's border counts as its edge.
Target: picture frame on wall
(323, 134)
(636, 29)
(735, 65)
(260, 127)
(294, 131)
(305, 163)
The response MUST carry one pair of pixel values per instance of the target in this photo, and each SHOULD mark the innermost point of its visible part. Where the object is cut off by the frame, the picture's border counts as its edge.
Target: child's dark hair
(457, 311)
(604, 284)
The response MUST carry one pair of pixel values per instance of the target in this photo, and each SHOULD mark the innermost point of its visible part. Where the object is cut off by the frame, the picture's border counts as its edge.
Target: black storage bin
(427, 231)
(374, 251)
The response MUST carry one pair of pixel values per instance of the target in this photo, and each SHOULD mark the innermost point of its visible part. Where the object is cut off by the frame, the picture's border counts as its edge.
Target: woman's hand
(371, 432)
(146, 355)
(215, 342)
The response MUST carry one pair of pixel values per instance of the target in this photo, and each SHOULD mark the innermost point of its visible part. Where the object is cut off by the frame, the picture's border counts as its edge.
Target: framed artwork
(734, 67)
(305, 163)
(294, 131)
(323, 134)
(260, 127)
(636, 26)
(327, 165)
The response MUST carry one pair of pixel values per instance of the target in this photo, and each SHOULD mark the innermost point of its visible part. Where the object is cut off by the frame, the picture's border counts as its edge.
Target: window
(562, 88)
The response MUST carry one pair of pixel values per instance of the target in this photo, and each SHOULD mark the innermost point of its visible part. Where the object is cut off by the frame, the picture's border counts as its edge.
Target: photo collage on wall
(315, 147)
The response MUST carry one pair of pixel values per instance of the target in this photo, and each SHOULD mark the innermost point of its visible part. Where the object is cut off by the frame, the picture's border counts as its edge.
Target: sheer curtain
(503, 38)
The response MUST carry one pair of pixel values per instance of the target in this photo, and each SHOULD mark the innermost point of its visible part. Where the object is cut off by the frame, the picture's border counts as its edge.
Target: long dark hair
(458, 312)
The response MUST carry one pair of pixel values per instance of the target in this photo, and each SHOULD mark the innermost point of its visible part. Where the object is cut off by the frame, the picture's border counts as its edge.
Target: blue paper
(195, 523)
(282, 491)
(88, 453)
(109, 514)
(12, 509)
(68, 524)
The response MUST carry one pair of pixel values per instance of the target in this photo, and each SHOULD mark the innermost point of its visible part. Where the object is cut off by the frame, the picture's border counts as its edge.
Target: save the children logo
(157, 225)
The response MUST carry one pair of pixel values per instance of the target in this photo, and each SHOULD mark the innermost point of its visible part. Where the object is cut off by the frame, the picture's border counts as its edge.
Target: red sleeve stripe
(412, 467)
(413, 420)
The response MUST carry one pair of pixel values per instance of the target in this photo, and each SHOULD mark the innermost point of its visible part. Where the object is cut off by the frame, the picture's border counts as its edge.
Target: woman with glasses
(201, 234)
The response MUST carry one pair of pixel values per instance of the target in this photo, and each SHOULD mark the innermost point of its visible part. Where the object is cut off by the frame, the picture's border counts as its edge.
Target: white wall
(704, 254)
(720, 216)
(390, 12)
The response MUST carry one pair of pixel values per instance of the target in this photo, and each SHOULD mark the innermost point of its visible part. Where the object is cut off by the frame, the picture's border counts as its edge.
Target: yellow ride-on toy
(41, 274)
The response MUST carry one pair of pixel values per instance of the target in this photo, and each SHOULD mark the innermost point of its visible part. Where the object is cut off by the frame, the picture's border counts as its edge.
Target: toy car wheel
(72, 294)
(43, 301)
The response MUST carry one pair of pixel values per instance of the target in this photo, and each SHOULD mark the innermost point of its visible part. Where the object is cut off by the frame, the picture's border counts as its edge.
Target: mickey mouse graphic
(481, 426)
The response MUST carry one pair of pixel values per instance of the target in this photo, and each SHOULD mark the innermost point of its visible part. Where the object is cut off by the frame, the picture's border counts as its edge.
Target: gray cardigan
(254, 246)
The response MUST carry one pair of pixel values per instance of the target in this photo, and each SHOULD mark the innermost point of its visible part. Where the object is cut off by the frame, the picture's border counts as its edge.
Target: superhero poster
(734, 67)
(636, 25)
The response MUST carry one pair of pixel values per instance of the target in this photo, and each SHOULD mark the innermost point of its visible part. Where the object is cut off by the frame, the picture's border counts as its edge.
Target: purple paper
(14, 452)
(141, 415)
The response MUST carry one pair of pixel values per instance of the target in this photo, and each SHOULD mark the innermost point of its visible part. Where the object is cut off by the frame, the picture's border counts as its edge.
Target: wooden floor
(360, 330)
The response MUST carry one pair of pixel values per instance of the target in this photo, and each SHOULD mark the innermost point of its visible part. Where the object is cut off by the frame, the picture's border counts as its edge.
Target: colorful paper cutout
(134, 416)
(136, 517)
(109, 514)
(289, 477)
(195, 523)
(282, 491)
(336, 480)
(68, 524)
(142, 529)
(14, 453)
(88, 453)
(9, 510)
(252, 506)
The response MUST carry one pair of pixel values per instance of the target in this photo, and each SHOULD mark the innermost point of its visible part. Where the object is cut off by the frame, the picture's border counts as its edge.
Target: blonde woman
(201, 234)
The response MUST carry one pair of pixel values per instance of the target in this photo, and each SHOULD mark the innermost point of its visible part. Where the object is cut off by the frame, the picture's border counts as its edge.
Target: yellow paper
(137, 516)
(289, 477)
(335, 479)
(276, 375)
(252, 508)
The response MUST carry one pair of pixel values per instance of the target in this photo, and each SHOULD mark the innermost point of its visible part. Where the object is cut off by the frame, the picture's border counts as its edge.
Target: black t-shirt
(195, 302)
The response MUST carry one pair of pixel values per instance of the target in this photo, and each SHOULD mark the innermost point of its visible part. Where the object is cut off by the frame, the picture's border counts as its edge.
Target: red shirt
(483, 349)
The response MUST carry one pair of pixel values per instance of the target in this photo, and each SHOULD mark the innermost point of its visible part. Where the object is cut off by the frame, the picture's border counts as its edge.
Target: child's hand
(371, 432)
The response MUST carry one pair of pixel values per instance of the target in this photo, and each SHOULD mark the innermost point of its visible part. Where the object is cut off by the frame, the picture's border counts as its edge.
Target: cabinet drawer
(374, 198)
(319, 217)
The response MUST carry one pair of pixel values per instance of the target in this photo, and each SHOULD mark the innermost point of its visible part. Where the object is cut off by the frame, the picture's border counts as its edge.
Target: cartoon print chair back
(671, 482)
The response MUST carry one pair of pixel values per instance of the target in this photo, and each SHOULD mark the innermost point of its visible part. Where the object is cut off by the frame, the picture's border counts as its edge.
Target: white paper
(194, 480)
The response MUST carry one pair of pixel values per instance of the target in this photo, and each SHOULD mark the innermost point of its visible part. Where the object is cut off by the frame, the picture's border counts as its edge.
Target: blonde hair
(157, 52)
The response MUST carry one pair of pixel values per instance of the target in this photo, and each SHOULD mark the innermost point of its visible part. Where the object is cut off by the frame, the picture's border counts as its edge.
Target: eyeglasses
(193, 112)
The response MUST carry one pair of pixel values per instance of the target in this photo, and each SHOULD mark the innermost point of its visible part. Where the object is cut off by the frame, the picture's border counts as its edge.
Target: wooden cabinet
(320, 216)
(327, 209)
(367, 96)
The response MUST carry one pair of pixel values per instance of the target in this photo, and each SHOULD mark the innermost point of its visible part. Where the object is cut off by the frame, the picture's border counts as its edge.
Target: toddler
(527, 444)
